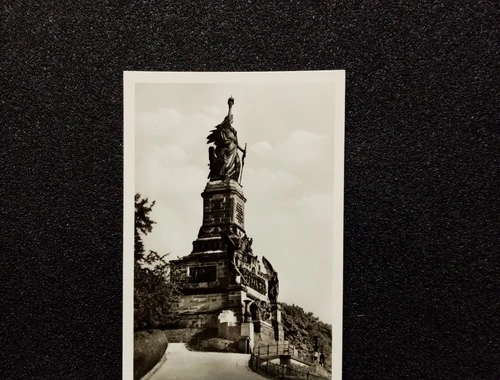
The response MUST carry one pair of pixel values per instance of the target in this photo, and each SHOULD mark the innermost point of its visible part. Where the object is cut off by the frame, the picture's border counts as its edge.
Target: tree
(143, 224)
(301, 328)
(155, 297)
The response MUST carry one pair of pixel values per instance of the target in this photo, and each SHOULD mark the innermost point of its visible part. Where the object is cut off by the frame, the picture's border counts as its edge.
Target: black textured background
(421, 170)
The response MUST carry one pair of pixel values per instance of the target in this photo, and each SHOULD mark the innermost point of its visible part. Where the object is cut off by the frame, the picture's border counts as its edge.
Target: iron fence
(260, 361)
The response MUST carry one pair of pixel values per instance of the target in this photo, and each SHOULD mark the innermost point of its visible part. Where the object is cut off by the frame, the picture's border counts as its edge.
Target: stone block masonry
(221, 277)
(223, 207)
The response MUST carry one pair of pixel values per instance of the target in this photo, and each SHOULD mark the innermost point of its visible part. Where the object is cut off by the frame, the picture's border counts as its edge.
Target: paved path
(182, 364)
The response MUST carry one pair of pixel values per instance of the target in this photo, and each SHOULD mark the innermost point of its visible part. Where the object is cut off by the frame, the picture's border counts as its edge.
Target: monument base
(222, 282)
(264, 333)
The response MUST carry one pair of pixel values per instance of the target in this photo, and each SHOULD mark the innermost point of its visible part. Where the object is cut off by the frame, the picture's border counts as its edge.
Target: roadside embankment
(149, 348)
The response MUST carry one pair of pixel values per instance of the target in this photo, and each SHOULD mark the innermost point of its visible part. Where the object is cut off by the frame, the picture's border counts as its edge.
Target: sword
(243, 162)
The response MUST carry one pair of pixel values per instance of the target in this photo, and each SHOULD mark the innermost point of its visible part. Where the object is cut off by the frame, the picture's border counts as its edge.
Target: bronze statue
(273, 282)
(224, 159)
(274, 288)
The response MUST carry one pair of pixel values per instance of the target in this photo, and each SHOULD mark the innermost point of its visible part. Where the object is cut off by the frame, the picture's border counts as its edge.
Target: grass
(149, 347)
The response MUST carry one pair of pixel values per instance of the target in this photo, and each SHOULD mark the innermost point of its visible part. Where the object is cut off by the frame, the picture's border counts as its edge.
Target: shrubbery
(149, 348)
(181, 335)
(301, 327)
(155, 297)
(207, 340)
(218, 345)
(315, 369)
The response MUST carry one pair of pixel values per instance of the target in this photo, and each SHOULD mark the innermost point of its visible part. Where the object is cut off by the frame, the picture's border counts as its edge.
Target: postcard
(233, 225)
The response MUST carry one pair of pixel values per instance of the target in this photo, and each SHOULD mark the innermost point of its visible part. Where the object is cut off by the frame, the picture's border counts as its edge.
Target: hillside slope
(301, 327)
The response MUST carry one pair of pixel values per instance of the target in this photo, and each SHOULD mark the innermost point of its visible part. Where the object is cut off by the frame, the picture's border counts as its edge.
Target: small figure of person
(321, 360)
(315, 357)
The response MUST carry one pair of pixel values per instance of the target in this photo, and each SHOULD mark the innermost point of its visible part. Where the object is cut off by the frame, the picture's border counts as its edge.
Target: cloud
(268, 182)
(179, 207)
(261, 148)
(304, 148)
(212, 111)
(156, 128)
(162, 118)
(316, 207)
(301, 148)
(175, 152)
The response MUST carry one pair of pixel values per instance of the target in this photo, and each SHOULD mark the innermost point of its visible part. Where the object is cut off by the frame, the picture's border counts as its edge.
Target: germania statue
(224, 161)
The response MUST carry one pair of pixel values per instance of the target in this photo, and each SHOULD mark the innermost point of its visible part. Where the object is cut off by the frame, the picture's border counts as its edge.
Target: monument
(222, 281)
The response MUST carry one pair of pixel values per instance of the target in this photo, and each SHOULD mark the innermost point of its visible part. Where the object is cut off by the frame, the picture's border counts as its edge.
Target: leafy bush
(207, 340)
(300, 328)
(315, 369)
(155, 297)
(218, 345)
(149, 348)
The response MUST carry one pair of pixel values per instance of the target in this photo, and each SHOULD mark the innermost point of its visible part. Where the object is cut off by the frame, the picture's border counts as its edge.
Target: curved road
(182, 364)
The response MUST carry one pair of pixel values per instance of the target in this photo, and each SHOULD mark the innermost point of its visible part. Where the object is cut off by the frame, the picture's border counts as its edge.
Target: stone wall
(264, 333)
(223, 203)
(196, 303)
(199, 320)
(228, 326)
(214, 291)
(188, 272)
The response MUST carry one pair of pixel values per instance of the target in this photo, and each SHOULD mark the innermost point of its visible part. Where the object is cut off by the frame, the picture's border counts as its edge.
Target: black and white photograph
(235, 271)
(192, 191)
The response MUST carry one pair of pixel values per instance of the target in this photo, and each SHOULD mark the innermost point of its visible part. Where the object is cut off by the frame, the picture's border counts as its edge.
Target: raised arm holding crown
(223, 157)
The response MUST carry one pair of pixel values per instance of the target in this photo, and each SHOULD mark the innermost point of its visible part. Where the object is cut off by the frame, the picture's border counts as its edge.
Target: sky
(287, 177)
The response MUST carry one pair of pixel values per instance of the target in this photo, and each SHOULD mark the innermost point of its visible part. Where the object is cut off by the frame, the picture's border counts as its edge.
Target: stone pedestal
(279, 334)
(223, 211)
(264, 333)
(247, 329)
(221, 277)
(228, 326)
(206, 277)
(246, 340)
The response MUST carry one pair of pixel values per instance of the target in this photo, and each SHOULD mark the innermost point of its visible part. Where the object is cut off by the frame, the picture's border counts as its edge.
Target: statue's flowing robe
(226, 152)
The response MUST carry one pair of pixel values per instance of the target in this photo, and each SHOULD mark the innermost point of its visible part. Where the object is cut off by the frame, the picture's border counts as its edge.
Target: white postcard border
(131, 78)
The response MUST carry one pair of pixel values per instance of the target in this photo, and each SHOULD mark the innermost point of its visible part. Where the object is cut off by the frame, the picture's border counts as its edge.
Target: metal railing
(276, 349)
(260, 361)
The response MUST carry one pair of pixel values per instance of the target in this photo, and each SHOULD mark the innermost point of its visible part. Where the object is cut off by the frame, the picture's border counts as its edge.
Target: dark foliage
(181, 335)
(149, 347)
(155, 297)
(207, 340)
(143, 223)
(302, 327)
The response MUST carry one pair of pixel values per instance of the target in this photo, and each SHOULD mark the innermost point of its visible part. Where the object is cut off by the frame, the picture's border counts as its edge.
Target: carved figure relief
(245, 245)
(261, 311)
(266, 312)
(231, 250)
(273, 282)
